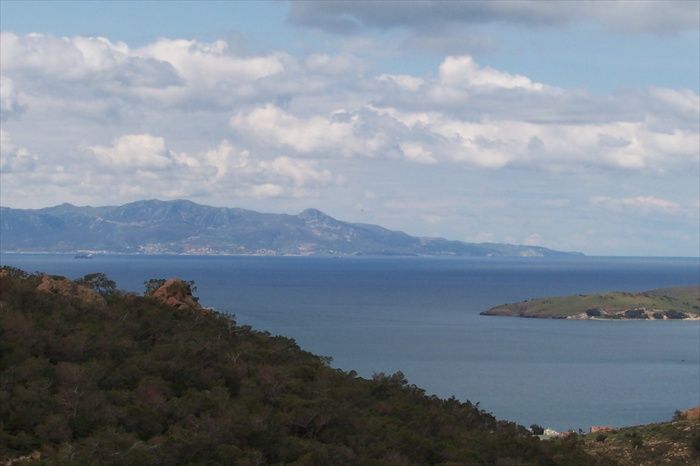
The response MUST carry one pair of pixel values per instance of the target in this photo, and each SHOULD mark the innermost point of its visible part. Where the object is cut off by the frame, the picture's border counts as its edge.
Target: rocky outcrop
(177, 293)
(65, 287)
(692, 414)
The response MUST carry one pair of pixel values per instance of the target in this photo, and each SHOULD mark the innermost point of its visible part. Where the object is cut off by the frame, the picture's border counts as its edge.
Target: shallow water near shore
(421, 316)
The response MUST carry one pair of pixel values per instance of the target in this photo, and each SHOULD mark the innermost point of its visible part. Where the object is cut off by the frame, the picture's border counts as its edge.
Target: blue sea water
(421, 316)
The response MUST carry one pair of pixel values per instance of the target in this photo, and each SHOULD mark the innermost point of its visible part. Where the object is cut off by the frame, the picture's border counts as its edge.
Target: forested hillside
(90, 375)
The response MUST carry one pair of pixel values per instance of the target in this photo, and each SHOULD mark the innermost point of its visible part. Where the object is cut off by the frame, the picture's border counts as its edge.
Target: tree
(152, 285)
(537, 429)
(98, 282)
(192, 285)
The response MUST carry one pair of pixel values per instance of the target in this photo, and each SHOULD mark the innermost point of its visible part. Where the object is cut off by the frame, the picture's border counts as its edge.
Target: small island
(677, 303)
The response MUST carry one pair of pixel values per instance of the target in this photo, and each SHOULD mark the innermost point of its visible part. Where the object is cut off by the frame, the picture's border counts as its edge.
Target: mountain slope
(135, 381)
(177, 227)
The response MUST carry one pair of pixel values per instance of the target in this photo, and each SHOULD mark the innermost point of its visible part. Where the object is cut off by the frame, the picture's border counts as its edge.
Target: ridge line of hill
(184, 227)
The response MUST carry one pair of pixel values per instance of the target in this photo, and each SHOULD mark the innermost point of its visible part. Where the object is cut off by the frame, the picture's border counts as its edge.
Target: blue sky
(573, 125)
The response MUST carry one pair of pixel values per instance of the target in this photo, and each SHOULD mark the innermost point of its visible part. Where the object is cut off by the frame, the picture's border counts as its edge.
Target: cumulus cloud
(462, 71)
(170, 72)
(682, 105)
(463, 113)
(9, 99)
(13, 158)
(339, 133)
(142, 165)
(415, 121)
(134, 152)
(209, 70)
(403, 81)
(94, 59)
(344, 17)
(500, 143)
(417, 152)
(281, 176)
(282, 128)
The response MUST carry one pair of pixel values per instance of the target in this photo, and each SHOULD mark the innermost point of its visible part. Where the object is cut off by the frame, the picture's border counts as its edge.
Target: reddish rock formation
(64, 287)
(692, 414)
(178, 294)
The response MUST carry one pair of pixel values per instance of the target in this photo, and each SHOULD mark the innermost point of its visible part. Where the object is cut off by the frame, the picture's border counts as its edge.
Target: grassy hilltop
(666, 303)
(93, 376)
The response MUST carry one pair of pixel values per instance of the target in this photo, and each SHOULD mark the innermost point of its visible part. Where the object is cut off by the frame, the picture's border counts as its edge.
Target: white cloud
(169, 72)
(280, 128)
(465, 113)
(209, 63)
(9, 99)
(500, 143)
(684, 101)
(13, 158)
(417, 153)
(404, 81)
(463, 72)
(266, 190)
(301, 172)
(134, 152)
(281, 176)
(92, 59)
(135, 166)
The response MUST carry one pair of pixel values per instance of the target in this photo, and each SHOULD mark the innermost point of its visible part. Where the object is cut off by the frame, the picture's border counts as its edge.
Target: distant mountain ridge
(184, 227)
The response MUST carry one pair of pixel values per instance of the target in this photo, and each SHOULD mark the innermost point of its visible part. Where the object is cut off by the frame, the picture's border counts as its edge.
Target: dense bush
(673, 314)
(696, 444)
(98, 282)
(635, 314)
(139, 383)
(537, 429)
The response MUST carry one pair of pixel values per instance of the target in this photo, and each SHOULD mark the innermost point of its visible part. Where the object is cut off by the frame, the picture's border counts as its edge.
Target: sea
(421, 316)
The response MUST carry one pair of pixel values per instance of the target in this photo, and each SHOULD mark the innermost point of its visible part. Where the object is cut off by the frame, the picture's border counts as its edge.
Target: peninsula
(677, 303)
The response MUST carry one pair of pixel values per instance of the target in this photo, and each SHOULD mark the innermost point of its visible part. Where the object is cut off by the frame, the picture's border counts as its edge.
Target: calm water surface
(420, 316)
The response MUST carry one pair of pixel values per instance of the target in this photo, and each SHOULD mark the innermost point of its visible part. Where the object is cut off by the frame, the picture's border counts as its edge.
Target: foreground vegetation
(672, 443)
(681, 302)
(120, 379)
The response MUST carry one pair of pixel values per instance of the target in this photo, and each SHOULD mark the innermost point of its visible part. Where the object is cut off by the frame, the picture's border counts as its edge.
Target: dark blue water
(420, 316)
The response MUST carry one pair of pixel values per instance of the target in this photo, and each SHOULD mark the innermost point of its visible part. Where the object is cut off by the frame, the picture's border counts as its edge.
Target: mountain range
(184, 227)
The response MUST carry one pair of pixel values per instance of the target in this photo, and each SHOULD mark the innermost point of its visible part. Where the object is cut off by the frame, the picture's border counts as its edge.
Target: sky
(571, 125)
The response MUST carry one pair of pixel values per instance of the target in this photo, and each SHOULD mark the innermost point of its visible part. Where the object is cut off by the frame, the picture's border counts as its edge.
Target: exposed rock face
(692, 414)
(178, 294)
(64, 287)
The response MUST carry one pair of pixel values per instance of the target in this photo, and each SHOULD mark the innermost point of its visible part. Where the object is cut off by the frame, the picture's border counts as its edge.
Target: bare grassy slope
(664, 303)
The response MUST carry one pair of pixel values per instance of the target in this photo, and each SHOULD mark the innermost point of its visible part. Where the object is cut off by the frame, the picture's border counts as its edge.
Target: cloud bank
(97, 121)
